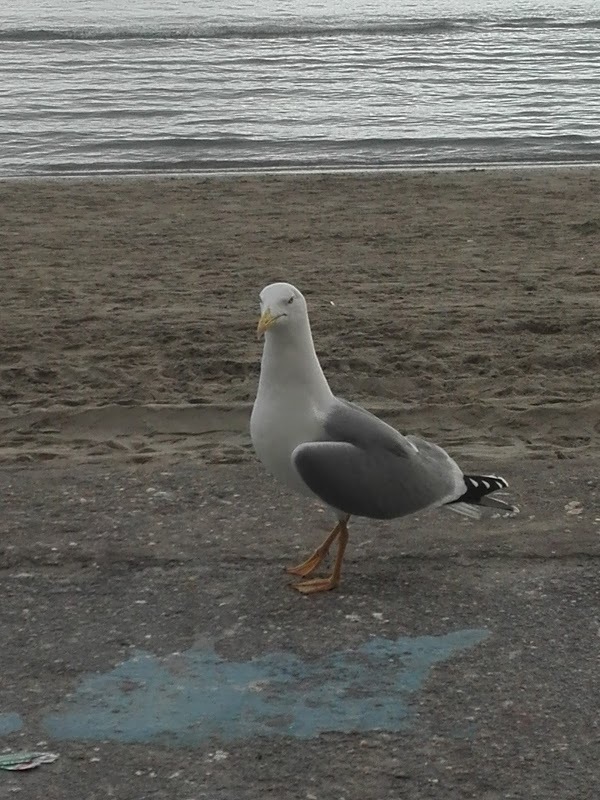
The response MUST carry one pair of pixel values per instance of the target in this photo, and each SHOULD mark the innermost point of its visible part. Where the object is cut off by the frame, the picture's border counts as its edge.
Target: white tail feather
(465, 509)
(494, 502)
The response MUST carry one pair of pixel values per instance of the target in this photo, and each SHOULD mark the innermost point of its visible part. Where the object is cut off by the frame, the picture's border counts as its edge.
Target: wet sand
(465, 308)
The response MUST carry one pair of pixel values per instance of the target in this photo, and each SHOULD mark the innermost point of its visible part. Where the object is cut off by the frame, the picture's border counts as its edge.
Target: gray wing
(363, 467)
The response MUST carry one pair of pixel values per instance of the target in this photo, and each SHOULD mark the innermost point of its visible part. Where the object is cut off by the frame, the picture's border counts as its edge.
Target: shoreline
(299, 171)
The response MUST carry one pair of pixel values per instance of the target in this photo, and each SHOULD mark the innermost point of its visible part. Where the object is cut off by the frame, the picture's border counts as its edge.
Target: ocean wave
(232, 143)
(229, 154)
(290, 29)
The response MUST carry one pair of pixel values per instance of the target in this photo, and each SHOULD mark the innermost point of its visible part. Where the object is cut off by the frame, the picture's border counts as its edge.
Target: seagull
(327, 448)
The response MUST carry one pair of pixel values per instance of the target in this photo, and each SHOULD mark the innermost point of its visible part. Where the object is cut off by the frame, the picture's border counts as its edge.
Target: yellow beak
(266, 321)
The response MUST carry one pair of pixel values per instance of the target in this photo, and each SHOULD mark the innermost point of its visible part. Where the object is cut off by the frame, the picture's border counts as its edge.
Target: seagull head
(281, 306)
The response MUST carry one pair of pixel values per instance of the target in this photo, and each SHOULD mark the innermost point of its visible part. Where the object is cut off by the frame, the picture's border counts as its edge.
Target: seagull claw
(316, 585)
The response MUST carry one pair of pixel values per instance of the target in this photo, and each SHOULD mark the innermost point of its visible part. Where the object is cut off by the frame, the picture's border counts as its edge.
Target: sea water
(98, 86)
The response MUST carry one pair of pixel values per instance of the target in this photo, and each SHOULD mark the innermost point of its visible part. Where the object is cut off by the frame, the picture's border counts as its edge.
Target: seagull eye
(290, 301)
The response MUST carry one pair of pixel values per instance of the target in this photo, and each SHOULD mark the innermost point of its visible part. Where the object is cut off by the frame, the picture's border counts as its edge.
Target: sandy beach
(142, 546)
(461, 305)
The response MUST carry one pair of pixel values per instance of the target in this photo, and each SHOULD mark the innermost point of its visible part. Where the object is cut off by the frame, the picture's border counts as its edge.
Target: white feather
(465, 509)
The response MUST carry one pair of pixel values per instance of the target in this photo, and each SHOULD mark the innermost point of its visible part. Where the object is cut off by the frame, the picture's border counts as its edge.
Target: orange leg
(314, 560)
(325, 584)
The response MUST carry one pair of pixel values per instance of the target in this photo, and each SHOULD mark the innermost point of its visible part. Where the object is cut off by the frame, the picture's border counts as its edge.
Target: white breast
(293, 397)
(277, 426)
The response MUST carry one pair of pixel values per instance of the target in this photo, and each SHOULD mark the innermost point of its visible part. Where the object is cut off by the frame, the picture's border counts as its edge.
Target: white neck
(289, 360)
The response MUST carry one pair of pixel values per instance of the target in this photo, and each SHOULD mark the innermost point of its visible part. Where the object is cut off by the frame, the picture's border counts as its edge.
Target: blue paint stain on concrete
(10, 723)
(187, 698)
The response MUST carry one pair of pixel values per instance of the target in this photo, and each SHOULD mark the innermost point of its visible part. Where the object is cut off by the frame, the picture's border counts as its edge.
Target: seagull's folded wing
(363, 467)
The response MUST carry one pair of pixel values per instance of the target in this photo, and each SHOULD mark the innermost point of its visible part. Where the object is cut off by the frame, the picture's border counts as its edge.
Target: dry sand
(467, 308)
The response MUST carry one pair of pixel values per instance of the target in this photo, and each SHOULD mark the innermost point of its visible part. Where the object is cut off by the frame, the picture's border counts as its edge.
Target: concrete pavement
(150, 638)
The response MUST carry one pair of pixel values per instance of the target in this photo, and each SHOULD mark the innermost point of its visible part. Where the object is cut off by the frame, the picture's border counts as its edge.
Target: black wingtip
(478, 486)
